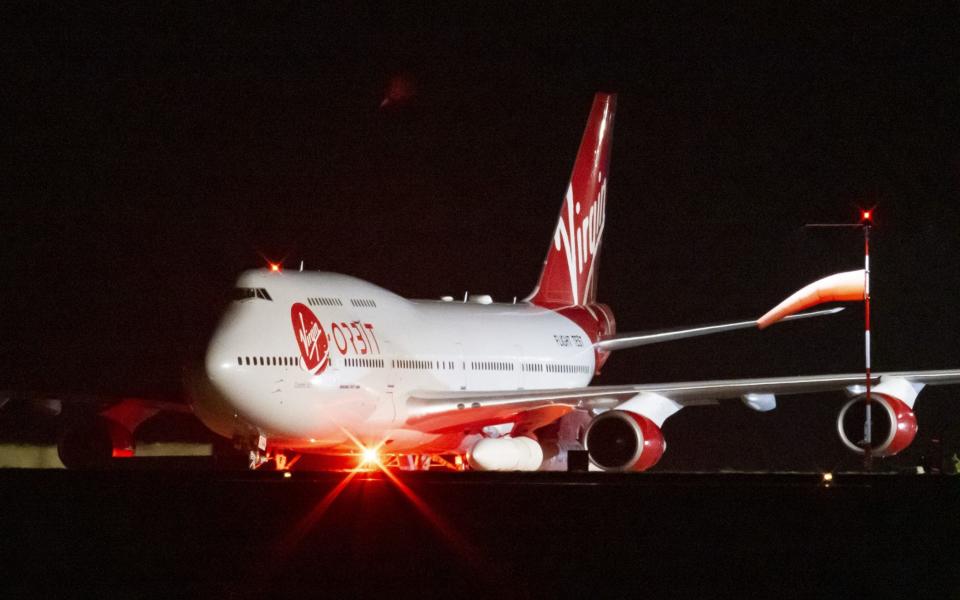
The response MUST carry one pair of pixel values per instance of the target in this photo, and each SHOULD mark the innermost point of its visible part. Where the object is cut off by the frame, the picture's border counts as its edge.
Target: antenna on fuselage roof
(466, 295)
(301, 266)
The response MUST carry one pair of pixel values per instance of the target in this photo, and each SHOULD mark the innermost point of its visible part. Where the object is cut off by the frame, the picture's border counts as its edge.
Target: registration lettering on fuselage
(567, 341)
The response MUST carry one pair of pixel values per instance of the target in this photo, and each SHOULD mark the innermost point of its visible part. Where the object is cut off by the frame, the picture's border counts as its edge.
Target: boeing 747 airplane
(325, 363)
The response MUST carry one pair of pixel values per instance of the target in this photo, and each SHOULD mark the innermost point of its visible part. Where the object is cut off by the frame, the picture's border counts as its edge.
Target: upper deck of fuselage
(405, 326)
(338, 298)
(293, 286)
(338, 290)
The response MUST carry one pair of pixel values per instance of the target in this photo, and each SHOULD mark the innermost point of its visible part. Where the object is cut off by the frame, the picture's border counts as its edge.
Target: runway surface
(181, 533)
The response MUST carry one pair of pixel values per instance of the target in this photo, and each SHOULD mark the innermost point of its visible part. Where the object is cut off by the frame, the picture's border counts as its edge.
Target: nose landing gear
(260, 454)
(256, 459)
(281, 461)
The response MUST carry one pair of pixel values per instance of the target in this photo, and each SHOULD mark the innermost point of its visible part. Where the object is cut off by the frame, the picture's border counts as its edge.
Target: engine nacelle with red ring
(893, 423)
(620, 440)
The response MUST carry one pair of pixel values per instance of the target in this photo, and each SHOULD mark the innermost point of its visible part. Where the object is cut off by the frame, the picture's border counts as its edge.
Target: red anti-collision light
(274, 267)
(866, 215)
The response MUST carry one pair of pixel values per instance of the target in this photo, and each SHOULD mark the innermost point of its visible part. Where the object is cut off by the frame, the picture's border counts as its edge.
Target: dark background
(503, 535)
(153, 152)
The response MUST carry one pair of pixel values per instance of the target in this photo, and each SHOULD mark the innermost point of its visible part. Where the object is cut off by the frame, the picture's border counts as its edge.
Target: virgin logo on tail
(569, 271)
(310, 338)
(578, 238)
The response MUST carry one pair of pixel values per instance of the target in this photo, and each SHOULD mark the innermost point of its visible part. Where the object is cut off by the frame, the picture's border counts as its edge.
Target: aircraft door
(517, 361)
(391, 380)
(459, 368)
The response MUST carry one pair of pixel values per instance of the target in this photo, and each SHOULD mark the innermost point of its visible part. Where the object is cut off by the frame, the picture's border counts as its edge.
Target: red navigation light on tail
(569, 276)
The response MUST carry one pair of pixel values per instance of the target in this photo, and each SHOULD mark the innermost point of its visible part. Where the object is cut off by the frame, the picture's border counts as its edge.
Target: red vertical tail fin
(569, 276)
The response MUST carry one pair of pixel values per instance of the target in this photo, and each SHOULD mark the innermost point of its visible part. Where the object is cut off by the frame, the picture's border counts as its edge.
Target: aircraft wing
(127, 411)
(446, 411)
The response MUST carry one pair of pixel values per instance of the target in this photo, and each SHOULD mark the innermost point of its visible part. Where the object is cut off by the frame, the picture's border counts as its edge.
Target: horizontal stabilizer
(629, 340)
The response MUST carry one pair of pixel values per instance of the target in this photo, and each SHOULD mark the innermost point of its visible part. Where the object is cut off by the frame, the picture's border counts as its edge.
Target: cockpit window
(248, 293)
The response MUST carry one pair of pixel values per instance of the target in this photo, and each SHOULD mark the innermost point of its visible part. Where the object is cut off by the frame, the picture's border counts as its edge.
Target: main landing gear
(262, 456)
(426, 462)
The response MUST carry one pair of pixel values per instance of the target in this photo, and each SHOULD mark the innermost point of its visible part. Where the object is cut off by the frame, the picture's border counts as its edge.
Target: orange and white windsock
(838, 287)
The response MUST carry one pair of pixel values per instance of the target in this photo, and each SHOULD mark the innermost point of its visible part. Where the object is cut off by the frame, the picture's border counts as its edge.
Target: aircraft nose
(222, 361)
(218, 364)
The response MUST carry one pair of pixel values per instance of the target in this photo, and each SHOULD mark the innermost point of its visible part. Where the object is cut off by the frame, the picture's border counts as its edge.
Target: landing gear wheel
(256, 459)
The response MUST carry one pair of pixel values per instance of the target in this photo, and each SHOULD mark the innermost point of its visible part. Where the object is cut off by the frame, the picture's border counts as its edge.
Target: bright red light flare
(289, 542)
(457, 542)
(866, 215)
(275, 267)
(370, 456)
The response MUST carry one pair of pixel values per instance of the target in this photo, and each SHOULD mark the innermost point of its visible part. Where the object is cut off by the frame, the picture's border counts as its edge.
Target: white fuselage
(271, 373)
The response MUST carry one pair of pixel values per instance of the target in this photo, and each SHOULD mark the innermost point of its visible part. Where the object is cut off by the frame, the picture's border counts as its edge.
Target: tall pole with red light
(866, 222)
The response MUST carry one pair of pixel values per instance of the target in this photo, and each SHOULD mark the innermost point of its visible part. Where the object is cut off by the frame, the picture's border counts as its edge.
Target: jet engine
(620, 440)
(91, 442)
(893, 422)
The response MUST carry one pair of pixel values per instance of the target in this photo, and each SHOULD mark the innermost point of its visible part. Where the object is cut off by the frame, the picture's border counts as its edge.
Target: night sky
(153, 152)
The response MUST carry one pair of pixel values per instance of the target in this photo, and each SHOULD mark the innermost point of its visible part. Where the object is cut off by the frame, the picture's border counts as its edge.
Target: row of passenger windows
(357, 302)
(444, 365)
(567, 369)
(324, 302)
(491, 366)
(269, 361)
(363, 362)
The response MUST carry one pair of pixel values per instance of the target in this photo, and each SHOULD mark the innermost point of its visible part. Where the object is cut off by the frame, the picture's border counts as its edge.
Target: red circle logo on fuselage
(310, 337)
